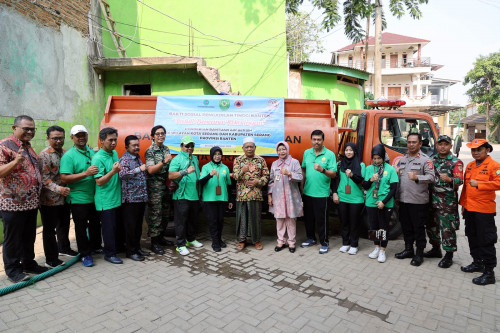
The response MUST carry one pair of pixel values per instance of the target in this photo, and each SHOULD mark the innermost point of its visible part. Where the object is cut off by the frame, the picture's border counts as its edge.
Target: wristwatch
(323, 171)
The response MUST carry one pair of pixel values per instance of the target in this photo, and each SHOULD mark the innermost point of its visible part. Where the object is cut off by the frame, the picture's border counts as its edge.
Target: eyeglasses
(190, 145)
(160, 134)
(29, 129)
(57, 139)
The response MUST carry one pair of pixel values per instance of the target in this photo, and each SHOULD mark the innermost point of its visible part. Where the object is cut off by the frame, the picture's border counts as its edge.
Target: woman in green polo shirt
(215, 178)
(348, 194)
(381, 182)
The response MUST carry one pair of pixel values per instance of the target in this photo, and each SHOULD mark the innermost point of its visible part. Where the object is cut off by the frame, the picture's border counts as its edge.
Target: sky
(459, 30)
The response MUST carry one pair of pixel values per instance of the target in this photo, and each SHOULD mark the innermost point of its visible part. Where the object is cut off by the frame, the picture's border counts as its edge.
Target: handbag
(377, 235)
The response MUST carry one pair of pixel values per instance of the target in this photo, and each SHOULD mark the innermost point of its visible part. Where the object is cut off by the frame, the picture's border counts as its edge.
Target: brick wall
(52, 13)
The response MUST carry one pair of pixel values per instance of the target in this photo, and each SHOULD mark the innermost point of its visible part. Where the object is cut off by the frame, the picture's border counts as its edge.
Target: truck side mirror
(457, 145)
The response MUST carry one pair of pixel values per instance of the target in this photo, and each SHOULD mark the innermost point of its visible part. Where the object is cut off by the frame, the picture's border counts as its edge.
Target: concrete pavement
(257, 291)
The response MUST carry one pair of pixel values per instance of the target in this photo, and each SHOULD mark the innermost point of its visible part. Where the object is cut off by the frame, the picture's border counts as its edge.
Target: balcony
(391, 67)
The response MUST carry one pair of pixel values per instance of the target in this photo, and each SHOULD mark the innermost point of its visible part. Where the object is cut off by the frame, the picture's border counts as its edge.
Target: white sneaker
(194, 243)
(381, 256)
(183, 251)
(374, 254)
(344, 248)
(353, 250)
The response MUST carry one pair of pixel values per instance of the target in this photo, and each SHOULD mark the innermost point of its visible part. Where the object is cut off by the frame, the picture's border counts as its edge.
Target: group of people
(108, 198)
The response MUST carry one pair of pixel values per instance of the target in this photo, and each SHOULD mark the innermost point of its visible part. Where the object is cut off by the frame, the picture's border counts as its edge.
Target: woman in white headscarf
(284, 197)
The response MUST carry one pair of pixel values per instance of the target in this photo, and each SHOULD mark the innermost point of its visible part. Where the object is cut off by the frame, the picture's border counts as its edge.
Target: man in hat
(20, 186)
(251, 174)
(449, 176)
(482, 179)
(185, 171)
(76, 171)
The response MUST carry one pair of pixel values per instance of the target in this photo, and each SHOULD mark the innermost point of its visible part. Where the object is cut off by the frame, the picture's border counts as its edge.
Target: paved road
(257, 291)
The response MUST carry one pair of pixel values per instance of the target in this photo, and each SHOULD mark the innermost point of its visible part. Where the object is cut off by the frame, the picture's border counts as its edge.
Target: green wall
(244, 39)
(163, 82)
(326, 86)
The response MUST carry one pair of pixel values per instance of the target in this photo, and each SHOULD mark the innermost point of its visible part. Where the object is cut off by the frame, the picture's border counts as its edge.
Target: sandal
(259, 246)
(240, 246)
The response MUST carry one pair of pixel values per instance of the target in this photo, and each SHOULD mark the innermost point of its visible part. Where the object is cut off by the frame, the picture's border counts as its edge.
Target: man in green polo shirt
(108, 193)
(184, 169)
(319, 167)
(76, 171)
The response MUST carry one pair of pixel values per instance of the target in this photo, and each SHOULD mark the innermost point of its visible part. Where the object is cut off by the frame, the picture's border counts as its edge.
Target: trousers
(316, 217)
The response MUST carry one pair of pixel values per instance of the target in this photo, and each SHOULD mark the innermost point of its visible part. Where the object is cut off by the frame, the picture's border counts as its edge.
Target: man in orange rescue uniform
(482, 178)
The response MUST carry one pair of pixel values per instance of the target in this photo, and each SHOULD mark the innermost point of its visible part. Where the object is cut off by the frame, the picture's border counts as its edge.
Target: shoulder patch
(430, 164)
(498, 172)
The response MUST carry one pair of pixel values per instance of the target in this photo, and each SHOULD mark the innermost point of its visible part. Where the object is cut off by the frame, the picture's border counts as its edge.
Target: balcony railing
(387, 64)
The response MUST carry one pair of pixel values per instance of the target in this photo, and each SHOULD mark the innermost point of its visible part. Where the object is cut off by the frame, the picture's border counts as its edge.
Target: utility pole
(365, 67)
(377, 75)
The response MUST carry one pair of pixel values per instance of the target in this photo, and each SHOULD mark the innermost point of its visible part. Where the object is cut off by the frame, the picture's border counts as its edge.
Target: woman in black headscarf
(381, 181)
(348, 194)
(215, 178)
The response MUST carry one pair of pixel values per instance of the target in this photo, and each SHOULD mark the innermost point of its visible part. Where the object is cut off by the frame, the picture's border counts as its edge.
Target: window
(350, 61)
(352, 121)
(393, 133)
(137, 89)
(404, 59)
(383, 61)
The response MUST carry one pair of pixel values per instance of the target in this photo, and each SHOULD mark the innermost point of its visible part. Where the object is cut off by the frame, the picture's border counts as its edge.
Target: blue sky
(459, 31)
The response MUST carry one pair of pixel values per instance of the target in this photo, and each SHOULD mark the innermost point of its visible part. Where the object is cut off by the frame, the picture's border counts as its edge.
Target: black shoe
(474, 267)
(406, 253)
(53, 264)
(447, 261)
(156, 248)
(488, 277)
(35, 269)
(222, 244)
(435, 252)
(164, 242)
(113, 260)
(279, 248)
(68, 253)
(291, 249)
(143, 253)
(19, 277)
(417, 260)
(136, 257)
(216, 248)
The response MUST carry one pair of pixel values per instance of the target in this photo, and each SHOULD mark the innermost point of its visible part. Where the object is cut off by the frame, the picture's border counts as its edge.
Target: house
(314, 80)
(475, 124)
(406, 73)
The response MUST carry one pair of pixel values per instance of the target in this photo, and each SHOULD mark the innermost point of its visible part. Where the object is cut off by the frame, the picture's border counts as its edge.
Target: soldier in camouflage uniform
(449, 177)
(158, 159)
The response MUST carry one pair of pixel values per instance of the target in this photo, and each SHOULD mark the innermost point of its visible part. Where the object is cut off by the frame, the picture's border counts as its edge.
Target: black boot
(418, 259)
(476, 266)
(164, 242)
(488, 277)
(406, 253)
(447, 261)
(155, 245)
(435, 252)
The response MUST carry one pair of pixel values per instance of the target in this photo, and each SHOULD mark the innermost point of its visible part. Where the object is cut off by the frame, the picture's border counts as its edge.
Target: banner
(222, 120)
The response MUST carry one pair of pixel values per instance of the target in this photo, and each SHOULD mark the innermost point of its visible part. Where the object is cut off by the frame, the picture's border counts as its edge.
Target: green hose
(39, 277)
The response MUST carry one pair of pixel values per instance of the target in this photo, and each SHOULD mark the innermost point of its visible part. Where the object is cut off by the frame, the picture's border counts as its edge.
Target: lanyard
(84, 154)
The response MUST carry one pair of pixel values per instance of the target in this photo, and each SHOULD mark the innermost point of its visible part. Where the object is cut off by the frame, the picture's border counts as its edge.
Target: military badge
(430, 164)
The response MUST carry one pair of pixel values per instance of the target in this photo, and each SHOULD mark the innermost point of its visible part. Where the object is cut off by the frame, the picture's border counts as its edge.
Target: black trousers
(132, 214)
(214, 211)
(55, 220)
(316, 217)
(19, 229)
(185, 217)
(108, 226)
(413, 219)
(85, 216)
(481, 232)
(379, 219)
(350, 218)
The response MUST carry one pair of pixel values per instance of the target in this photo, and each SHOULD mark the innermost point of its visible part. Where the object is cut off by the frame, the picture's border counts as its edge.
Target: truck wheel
(395, 229)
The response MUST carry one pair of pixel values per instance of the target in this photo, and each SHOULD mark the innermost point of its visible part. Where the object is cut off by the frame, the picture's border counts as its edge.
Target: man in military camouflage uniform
(158, 159)
(449, 177)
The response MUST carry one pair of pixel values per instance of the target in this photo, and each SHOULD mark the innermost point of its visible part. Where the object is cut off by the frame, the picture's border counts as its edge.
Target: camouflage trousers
(157, 209)
(441, 229)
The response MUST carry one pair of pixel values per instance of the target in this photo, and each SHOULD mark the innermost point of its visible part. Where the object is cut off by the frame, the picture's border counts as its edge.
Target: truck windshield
(393, 133)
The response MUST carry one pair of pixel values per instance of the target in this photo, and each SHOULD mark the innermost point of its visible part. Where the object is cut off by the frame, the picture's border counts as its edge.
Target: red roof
(387, 38)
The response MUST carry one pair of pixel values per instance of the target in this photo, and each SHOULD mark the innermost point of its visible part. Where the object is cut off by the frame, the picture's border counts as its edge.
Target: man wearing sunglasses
(20, 186)
(185, 171)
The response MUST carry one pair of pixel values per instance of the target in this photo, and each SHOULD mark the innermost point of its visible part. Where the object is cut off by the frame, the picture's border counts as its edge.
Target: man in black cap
(449, 171)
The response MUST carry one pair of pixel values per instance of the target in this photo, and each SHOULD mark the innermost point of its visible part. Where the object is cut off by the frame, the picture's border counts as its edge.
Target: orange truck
(367, 128)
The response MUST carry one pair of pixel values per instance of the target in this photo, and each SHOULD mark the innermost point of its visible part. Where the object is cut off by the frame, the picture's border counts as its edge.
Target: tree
(302, 37)
(485, 80)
